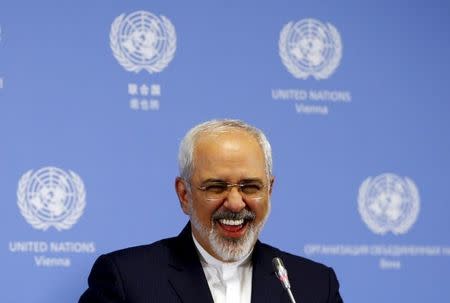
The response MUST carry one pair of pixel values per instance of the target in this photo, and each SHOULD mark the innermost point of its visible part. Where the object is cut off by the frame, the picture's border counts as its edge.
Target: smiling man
(224, 187)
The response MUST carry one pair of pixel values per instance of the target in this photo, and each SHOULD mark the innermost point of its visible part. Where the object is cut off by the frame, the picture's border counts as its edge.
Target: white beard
(229, 250)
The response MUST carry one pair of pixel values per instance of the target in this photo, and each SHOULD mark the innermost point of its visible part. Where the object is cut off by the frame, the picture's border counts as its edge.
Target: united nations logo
(51, 197)
(388, 203)
(142, 40)
(310, 48)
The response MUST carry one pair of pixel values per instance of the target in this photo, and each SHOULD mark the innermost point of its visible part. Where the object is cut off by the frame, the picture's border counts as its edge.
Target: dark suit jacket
(170, 271)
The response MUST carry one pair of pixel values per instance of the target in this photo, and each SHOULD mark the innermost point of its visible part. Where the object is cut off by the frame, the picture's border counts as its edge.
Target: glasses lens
(251, 189)
(215, 190)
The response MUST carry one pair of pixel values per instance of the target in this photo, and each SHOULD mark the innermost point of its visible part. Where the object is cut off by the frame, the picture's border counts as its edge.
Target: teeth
(231, 222)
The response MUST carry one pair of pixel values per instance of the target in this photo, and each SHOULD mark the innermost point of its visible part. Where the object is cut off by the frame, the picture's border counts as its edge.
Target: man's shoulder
(144, 250)
(134, 272)
(312, 281)
(294, 262)
(175, 251)
(155, 253)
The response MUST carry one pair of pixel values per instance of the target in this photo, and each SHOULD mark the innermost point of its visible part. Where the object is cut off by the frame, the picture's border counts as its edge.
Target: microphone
(282, 275)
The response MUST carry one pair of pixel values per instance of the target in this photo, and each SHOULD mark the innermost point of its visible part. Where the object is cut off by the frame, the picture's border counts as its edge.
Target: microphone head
(281, 272)
(277, 264)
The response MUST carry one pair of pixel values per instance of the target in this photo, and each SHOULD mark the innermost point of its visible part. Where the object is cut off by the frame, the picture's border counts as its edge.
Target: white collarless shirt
(229, 282)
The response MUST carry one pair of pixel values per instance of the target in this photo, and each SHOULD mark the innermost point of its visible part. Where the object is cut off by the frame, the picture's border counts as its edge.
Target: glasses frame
(226, 192)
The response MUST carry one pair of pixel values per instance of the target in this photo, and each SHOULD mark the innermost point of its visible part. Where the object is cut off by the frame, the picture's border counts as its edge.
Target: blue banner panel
(95, 97)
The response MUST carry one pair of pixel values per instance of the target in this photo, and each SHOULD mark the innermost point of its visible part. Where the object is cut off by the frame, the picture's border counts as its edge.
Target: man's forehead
(228, 149)
(218, 137)
(234, 142)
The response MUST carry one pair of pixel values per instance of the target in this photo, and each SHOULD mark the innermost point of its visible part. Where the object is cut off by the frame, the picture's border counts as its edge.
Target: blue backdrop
(353, 95)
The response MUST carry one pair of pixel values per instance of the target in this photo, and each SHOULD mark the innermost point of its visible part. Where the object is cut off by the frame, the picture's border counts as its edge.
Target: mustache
(229, 215)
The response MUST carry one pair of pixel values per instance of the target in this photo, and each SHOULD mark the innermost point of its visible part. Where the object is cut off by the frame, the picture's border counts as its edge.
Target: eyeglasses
(218, 190)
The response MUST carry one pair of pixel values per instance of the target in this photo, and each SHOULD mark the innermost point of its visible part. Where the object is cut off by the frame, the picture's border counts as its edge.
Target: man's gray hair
(186, 151)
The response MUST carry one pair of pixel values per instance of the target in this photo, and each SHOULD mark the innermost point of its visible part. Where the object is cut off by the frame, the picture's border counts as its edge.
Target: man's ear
(183, 195)
(272, 180)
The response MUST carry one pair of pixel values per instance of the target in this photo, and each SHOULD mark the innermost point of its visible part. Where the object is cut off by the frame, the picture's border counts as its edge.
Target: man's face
(227, 228)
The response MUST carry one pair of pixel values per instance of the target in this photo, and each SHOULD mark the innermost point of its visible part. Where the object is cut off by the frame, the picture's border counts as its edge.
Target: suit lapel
(185, 271)
(265, 285)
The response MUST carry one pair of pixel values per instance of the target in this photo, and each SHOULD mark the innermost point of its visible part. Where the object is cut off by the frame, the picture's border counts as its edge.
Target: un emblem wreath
(310, 48)
(388, 203)
(141, 40)
(51, 197)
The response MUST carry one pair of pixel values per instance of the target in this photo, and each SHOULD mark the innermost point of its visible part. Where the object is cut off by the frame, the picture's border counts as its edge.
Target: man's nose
(234, 200)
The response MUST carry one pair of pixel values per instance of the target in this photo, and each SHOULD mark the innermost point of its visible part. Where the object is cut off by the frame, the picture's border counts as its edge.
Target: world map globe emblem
(310, 48)
(388, 203)
(51, 197)
(142, 40)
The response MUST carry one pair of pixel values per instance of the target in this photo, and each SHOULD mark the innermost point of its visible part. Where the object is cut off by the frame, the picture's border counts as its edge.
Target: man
(224, 187)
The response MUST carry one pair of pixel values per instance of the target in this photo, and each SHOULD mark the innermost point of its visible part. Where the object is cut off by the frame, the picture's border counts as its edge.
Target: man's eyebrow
(249, 180)
(246, 180)
(214, 180)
